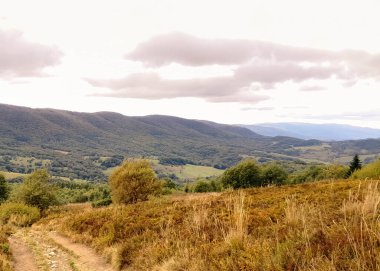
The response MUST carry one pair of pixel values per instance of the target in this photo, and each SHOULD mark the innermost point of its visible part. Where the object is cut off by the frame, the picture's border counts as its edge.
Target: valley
(84, 146)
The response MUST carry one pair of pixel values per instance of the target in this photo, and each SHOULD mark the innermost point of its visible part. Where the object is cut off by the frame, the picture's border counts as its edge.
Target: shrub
(202, 187)
(36, 190)
(134, 181)
(334, 172)
(274, 174)
(370, 171)
(4, 189)
(101, 203)
(18, 214)
(245, 174)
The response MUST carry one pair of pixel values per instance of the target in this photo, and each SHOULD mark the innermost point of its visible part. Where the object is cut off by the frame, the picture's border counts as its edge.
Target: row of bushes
(248, 173)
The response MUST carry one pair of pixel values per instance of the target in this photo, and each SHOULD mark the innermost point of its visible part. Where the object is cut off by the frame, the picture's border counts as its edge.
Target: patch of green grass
(193, 171)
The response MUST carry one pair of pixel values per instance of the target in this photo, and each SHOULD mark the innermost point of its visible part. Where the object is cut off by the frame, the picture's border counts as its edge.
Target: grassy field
(11, 175)
(330, 225)
(185, 172)
(193, 171)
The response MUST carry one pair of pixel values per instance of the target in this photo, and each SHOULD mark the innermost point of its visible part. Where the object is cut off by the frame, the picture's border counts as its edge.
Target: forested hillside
(84, 145)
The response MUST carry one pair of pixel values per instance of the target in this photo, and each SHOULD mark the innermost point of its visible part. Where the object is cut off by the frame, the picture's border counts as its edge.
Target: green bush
(370, 171)
(274, 173)
(202, 187)
(101, 203)
(245, 174)
(318, 173)
(134, 181)
(18, 214)
(36, 190)
(4, 189)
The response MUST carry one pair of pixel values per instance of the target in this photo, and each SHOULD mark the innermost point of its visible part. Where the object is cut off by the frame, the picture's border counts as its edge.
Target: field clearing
(11, 175)
(187, 171)
(321, 147)
(347, 159)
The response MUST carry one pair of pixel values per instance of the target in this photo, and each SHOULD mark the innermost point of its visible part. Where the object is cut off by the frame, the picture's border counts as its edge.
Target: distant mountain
(84, 145)
(325, 132)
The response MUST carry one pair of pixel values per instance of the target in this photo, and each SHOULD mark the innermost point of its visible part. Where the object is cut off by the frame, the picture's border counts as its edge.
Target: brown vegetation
(314, 226)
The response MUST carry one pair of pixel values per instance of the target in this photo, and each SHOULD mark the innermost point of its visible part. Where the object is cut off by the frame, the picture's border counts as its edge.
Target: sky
(236, 62)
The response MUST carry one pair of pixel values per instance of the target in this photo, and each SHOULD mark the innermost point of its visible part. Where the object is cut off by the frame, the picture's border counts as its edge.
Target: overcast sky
(225, 61)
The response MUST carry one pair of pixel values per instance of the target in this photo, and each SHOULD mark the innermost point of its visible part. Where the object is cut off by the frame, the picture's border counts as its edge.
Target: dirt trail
(35, 250)
(24, 260)
(87, 258)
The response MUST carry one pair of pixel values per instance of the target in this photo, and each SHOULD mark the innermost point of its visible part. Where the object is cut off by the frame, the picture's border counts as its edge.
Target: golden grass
(5, 251)
(11, 175)
(315, 226)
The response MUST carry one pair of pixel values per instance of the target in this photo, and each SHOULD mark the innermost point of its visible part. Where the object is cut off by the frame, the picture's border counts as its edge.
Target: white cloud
(20, 58)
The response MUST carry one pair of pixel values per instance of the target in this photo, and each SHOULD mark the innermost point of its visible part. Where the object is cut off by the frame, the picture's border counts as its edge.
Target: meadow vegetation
(329, 225)
(252, 217)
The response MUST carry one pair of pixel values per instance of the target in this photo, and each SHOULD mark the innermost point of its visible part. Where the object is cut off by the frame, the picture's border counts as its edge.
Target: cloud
(152, 86)
(192, 51)
(268, 108)
(312, 88)
(257, 65)
(21, 58)
(287, 62)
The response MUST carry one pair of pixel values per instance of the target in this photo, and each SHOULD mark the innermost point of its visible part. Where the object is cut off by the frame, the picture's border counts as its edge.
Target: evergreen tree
(354, 165)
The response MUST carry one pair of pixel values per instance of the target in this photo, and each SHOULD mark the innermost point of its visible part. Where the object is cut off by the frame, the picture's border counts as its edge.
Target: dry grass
(5, 252)
(314, 226)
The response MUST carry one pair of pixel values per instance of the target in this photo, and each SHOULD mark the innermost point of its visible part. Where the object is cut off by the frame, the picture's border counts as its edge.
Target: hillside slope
(76, 145)
(325, 132)
(314, 226)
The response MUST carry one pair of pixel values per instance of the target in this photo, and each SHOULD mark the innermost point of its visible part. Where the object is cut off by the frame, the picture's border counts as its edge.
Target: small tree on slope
(354, 165)
(134, 181)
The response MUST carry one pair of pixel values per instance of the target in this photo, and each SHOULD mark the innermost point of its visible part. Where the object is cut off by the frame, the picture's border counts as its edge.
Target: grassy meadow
(328, 225)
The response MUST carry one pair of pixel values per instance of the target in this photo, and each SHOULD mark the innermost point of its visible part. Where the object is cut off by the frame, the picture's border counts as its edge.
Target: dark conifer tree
(355, 164)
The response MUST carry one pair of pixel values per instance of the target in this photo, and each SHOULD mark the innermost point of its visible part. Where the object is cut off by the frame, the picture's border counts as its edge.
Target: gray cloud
(192, 51)
(260, 65)
(21, 58)
(311, 88)
(268, 108)
(152, 86)
(270, 60)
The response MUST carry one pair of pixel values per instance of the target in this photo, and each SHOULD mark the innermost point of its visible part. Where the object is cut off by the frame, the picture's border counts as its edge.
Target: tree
(202, 186)
(36, 190)
(355, 164)
(273, 173)
(245, 174)
(4, 189)
(134, 181)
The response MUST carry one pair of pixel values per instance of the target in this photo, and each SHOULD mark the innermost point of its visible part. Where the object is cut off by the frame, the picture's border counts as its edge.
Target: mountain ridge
(324, 132)
(75, 144)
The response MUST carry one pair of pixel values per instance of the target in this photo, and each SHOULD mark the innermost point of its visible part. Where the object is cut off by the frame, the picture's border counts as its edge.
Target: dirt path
(35, 250)
(87, 258)
(24, 260)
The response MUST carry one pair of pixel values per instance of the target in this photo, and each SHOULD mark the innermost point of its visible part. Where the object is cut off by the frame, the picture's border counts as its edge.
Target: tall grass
(314, 226)
(5, 251)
